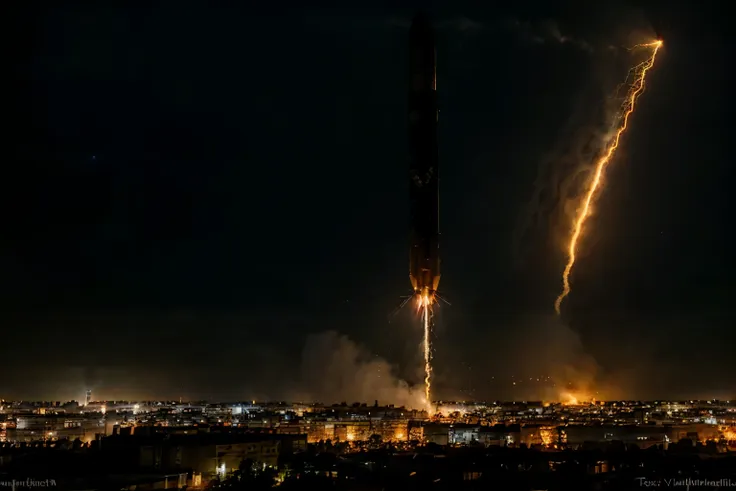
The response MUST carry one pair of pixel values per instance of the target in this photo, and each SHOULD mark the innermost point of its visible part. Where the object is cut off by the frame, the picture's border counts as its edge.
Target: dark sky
(198, 192)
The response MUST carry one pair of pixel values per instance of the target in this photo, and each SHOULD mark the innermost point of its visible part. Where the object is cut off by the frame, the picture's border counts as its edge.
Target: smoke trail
(560, 179)
(561, 173)
(547, 187)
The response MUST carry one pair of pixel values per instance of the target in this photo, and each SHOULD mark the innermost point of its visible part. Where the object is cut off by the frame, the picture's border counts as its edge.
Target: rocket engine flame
(636, 89)
(425, 302)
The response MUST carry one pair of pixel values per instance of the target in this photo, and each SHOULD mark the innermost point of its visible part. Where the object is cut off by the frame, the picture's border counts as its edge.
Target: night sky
(198, 196)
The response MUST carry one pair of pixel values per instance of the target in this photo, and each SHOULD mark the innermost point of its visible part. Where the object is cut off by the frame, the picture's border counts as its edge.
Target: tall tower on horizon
(88, 397)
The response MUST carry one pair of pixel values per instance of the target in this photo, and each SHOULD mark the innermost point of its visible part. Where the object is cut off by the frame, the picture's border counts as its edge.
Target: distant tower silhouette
(88, 397)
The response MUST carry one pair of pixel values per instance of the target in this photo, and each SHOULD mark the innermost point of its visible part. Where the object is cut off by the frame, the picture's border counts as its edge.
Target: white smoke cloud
(336, 369)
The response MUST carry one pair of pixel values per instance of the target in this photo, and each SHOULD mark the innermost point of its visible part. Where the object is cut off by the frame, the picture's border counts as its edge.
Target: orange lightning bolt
(636, 89)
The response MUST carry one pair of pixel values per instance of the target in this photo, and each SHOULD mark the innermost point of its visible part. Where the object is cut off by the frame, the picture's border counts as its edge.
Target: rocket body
(423, 114)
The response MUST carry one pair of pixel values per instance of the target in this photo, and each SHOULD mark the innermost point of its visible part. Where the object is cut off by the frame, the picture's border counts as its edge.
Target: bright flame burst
(576, 398)
(571, 400)
(635, 90)
(424, 305)
(546, 435)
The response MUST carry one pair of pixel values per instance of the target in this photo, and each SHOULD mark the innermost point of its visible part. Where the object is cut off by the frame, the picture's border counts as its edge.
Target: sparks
(636, 89)
(424, 304)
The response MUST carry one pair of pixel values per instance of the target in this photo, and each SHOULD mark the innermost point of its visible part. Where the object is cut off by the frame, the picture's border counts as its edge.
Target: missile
(423, 115)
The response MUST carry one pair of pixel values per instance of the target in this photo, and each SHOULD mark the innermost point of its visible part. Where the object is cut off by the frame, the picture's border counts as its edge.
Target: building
(36, 427)
(461, 434)
(214, 453)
